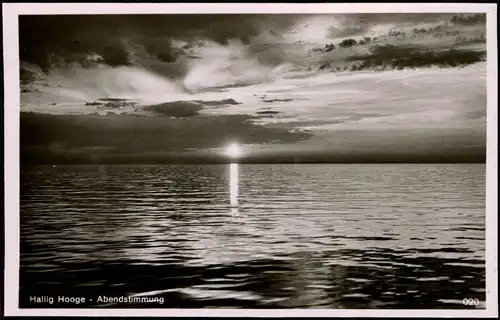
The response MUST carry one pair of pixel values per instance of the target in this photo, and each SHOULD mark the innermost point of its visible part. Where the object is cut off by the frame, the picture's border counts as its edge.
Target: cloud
(114, 37)
(180, 109)
(174, 57)
(107, 34)
(46, 136)
(146, 139)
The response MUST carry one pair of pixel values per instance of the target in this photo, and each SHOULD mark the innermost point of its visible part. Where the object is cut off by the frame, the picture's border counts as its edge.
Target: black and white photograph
(250, 159)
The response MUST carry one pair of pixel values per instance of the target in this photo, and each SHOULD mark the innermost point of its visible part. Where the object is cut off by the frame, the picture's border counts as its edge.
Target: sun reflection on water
(233, 187)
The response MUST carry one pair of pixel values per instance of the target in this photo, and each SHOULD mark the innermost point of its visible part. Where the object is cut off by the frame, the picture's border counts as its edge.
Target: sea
(330, 236)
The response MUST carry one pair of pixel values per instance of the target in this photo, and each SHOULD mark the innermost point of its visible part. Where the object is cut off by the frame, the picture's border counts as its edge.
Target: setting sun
(233, 150)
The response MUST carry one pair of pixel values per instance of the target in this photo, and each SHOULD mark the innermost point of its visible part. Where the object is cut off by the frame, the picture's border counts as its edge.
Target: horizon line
(253, 163)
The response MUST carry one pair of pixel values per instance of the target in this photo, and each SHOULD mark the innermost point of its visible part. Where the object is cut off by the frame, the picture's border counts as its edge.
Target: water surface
(255, 236)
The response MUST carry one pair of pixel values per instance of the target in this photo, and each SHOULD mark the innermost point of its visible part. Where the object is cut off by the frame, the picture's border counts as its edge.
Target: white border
(11, 12)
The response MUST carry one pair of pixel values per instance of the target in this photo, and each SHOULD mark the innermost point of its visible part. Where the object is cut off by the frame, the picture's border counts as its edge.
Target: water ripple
(335, 236)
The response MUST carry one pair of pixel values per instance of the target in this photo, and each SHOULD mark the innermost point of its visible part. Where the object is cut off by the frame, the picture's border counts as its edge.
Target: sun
(233, 150)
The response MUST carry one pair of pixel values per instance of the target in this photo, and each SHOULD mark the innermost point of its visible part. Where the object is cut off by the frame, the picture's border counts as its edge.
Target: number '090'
(470, 302)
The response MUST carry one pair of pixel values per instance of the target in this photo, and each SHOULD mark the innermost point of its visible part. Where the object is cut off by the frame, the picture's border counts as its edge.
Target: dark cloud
(66, 35)
(146, 40)
(415, 57)
(144, 139)
(389, 145)
(449, 155)
(218, 103)
(45, 136)
(175, 109)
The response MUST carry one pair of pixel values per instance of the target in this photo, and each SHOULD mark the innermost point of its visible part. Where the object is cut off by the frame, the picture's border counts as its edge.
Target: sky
(286, 88)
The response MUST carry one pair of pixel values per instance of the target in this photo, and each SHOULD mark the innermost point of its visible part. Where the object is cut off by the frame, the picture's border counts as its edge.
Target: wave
(139, 60)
